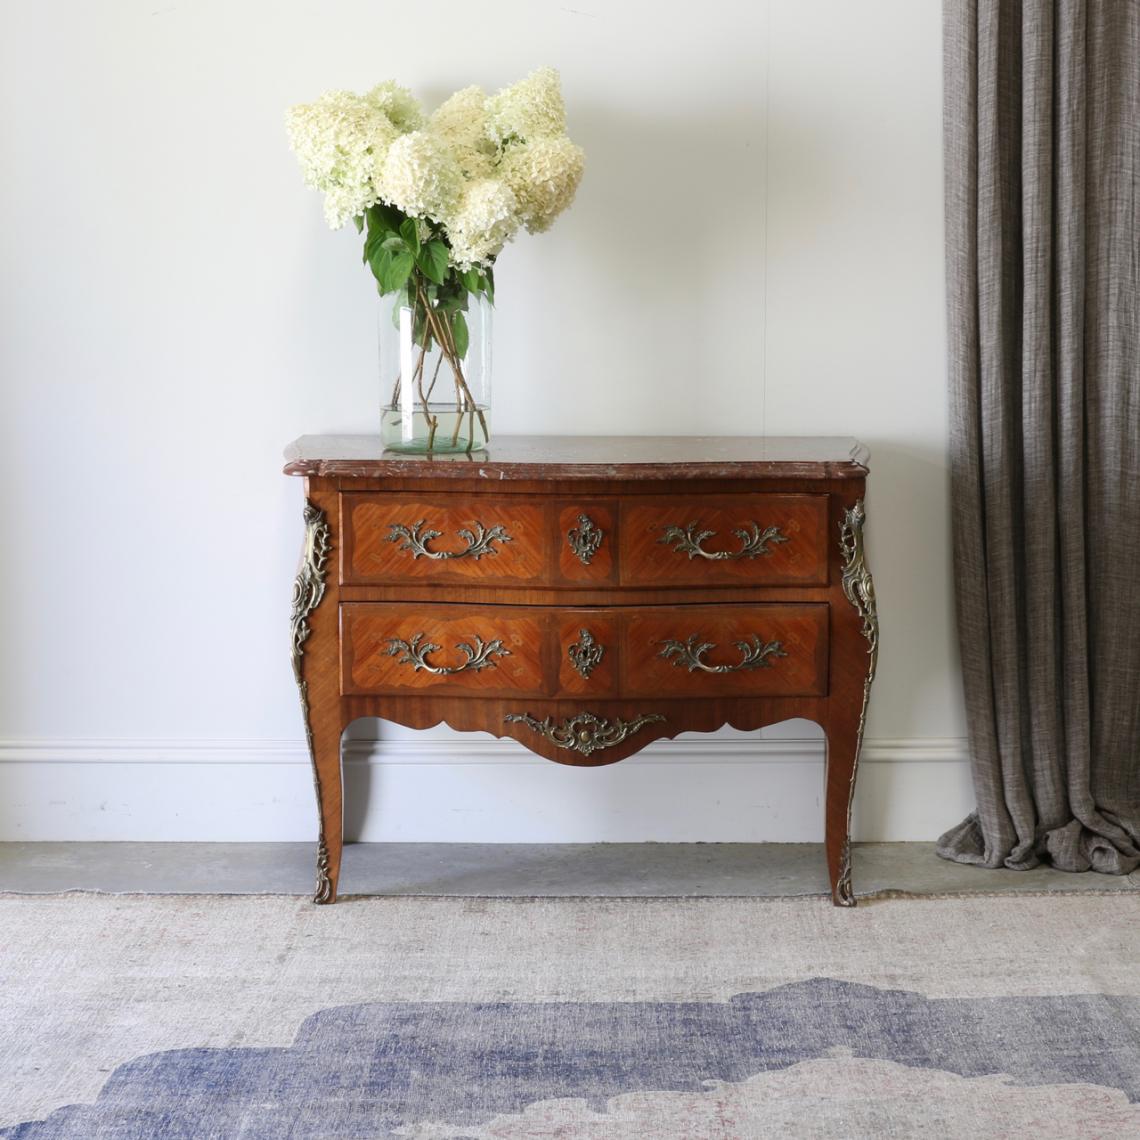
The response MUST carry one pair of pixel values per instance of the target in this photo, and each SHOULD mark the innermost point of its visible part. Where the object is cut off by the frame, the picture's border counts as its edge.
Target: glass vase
(435, 371)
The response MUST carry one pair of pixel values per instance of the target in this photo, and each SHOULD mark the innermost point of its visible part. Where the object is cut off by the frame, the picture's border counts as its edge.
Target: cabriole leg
(842, 757)
(325, 745)
(320, 705)
(856, 656)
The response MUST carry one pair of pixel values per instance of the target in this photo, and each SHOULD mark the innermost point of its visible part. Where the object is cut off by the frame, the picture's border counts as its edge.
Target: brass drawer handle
(753, 542)
(585, 732)
(585, 539)
(586, 654)
(479, 655)
(480, 540)
(754, 654)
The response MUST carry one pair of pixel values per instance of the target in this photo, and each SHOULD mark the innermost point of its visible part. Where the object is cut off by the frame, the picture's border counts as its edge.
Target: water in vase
(442, 430)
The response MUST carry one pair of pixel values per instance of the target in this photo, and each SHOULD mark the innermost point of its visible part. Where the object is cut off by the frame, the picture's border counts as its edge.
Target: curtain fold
(1042, 149)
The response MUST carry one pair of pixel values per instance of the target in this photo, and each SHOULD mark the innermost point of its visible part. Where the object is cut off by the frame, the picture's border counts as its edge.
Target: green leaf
(472, 280)
(432, 261)
(372, 243)
(489, 288)
(401, 270)
(358, 221)
(460, 334)
(410, 232)
(384, 217)
(378, 262)
(391, 269)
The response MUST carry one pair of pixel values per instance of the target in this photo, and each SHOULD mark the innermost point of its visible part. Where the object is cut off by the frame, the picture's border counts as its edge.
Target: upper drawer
(762, 540)
(400, 538)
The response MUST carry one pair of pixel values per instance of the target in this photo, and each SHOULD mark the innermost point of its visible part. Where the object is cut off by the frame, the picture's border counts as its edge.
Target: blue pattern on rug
(364, 1071)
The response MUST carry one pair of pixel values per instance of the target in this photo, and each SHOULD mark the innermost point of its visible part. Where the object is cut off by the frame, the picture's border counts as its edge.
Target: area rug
(140, 1017)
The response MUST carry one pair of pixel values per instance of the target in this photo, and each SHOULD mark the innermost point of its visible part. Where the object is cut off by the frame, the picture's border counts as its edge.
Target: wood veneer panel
(581, 524)
(386, 537)
(763, 650)
(589, 652)
(382, 645)
(662, 540)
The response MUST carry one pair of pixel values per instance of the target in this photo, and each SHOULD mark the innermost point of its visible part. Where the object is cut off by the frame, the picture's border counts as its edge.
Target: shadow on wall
(908, 546)
(918, 690)
(361, 781)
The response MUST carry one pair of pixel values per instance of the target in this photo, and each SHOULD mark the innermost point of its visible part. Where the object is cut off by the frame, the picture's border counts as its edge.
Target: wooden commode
(585, 596)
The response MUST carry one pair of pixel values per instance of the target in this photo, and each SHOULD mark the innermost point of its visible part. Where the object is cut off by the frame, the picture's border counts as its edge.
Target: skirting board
(712, 789)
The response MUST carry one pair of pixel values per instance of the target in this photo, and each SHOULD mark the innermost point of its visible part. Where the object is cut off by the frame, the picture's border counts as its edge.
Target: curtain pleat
(1042, 142)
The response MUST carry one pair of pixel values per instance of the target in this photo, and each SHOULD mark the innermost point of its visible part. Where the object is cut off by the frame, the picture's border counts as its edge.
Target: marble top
(588, 457)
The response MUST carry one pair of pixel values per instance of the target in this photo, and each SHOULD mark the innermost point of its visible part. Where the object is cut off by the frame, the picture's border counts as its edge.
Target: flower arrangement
(437, 197)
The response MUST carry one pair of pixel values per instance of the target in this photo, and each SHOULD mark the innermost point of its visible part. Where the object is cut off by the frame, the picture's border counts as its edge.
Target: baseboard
(740, 788)
(724, 750)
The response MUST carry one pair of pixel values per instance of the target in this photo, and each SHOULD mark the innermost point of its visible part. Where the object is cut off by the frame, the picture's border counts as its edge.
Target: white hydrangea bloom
(461, 124)
(482, 166)
(530, 109)
(544, 176)
(420, 176)
(485, 220)
(339, 140)
(399, 104)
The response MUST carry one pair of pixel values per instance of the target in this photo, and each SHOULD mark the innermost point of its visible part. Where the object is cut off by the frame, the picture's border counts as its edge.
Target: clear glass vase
(435, 371)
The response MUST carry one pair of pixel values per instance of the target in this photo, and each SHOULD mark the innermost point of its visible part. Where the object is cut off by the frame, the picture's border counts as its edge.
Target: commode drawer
(727, 540)
(392, 539)
(577, 652)
(726, 651)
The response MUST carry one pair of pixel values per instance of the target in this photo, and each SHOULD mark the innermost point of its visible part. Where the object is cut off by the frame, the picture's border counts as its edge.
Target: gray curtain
(1042, 138)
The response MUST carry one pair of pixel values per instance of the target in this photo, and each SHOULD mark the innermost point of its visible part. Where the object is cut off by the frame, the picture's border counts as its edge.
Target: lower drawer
(726, 651)
(474, 650)
(731, 650)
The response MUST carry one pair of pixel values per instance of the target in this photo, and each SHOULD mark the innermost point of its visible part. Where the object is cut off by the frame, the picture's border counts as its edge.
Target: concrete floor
(517, 869)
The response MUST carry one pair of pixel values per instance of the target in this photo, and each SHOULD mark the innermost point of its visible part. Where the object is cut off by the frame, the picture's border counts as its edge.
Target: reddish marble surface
(589, 457)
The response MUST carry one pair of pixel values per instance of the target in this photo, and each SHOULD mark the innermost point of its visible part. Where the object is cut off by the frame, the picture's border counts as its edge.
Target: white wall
(756, 248)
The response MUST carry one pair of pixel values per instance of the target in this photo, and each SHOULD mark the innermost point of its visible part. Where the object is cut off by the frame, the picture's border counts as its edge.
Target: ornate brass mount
(309, 585)
(585, 539)
(754, 541)
(308, 590)
(754, 654)
(479, 655)
(585, 654)
(480, 540)
(585, 733)
(859, 589)
(858, 586)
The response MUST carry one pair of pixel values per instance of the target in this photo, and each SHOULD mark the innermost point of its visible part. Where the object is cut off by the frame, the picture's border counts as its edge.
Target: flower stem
(446, 342)
(431, 421)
